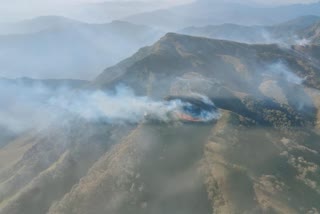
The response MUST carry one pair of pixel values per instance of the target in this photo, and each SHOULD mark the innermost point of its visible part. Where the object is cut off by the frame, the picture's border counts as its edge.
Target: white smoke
(22, 107)
(303, 42)
(120, 107)
(25, 107)
(280, 71)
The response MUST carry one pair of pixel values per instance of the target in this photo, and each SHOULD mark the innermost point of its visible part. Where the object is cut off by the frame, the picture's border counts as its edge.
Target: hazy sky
(25, 4)
(277, 2)
(45, 3)
(13, 10)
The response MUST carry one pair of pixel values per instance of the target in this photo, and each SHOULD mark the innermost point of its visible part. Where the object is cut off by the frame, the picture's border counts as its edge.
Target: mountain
(201, 52)
(302, 30)
(86, 11)
(37, 24)
(54, 47)
(206, 12)
(232, 32)
(260, 156)
(111, 10)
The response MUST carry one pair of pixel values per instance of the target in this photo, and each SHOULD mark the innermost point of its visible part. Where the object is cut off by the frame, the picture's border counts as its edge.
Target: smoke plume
(122, 106)
(280, 71)
(25, 107)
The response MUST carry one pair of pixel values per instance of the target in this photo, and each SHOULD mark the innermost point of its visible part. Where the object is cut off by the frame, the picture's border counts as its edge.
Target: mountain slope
(260, 156)
(197, 54)
(59, 48)
(314, 33)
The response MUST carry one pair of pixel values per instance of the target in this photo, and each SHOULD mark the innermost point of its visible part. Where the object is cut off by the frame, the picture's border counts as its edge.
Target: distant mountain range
(261, 156)
(207, 12)
(303, 30)
(112, 10)
(56, 47)
(86, 11)
(38, 24)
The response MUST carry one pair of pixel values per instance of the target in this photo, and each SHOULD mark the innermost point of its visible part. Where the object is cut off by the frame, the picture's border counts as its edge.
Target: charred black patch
(194, 109)
(196, 102)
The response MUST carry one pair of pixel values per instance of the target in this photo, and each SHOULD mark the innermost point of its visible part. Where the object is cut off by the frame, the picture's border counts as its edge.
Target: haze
(17, 10)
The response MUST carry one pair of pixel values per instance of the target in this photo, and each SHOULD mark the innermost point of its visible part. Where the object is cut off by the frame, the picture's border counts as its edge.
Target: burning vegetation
(194, 109)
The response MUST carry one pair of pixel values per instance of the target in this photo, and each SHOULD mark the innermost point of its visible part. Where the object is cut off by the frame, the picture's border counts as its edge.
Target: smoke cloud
(122, 106)
(25, 107)
(303, 42)
(281, 71)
